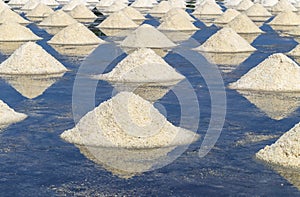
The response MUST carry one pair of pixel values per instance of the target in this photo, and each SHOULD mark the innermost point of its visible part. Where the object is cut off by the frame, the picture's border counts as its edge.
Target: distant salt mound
(177, 23)
(31, 59)
(226, 40)
(121, 121)
(243, 24)
(17, 3)
(118, 20)
(58, 19)
(162, 8)
(8, 115)
(75, 34)
(227, 16)
(115, 7)
(285, 151)
(41, 10)
(82, 12)
(72, 4)
(31, 4)
(283, 5)
(144, 3)
(133, 14)
(143, 65)
(232, 3)
(271, 75)
(244, 5)
(7, 16)
(177, 11)
(14, 32)
(269, 3)
(208, 8)
(286, 18)
(257, 10)
(147, 36)
(178, 3)
(104, 3)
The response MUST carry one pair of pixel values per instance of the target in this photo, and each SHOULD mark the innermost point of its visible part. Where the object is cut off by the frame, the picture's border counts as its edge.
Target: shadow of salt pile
(291, 175)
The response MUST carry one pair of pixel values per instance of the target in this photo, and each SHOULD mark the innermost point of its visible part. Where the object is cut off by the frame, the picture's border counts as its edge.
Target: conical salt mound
(14, 32)
(286, 18)
(232, 3)
(143, 3)
(82, 12)
(104, 3)
(295, 52)
(8, 115)
(243, 24)
(226, 40)
(118, 20)
(41, 10)
(177, 11)
(178, 4)
(162, 8)
(283, 5)
(227, 16)
(208, 8)
(75, 34)
(127, 121)
(177, 23)
(58, 19)
(72, 4)
(143, 65)
(115, 7)
(147, 36)
(7, 16)
(244, 5)
(285, 151)
(133, 14)
(269, 3)
(31, 4)
(271, 75)
(257, 10)
(31, 59)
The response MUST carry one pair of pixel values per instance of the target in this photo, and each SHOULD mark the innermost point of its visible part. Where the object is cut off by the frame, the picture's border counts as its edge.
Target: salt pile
(127, 121)
(118, 20)
(227, 16)
(177, 23)
(269, 3)
(283, 5)
(7, 15)
(208, 8)
(243, 24)
(162, 8)
(271, 75)
(58, 19)
(8, 115)
(133, 14)
(75, 34)
(285, 151)
(258, 10)
(41, 10)
(104, 3)
(244, 5)
(115, 7)
(178, 3)
(143, 3)
(177, 11)
(147, 36)
(72, 4)
(3, 5)
(143, 65)
(232, 3)
(17, 3)
(14, 32)
(31, 4)
(286, 18)
(82, 12)
(226, 40)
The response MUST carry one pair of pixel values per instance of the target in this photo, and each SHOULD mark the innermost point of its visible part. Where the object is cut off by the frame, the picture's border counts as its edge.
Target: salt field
(147, 98)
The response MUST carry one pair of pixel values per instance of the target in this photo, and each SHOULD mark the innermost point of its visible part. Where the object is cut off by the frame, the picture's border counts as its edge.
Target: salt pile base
(7, 16)
(270, 75)
(58, 19)
(82, 14)
(285, 151)
(226, 40)
(75, 34)
(286, 18)
(118, 20)
(14, 32)
(127, 121)
(143, 65)
(32, 59)
(8, 115)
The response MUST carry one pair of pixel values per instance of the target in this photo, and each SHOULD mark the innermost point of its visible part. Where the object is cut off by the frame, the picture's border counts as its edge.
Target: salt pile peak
(243, 24)
(208, 8)
(226, 40)
(227, 16)
(257, 10)
(41, 10)
(118, 20)
(31, 59)
(143, 65)
(7, 15)
(75, 34)
(82, 12)
(12, 32)
(271, 75)
(118, 122)
(8, 115)
(283, 5)
(244, 5)
(177, 23)
(177, 11)
(286, 18)
(58, 19)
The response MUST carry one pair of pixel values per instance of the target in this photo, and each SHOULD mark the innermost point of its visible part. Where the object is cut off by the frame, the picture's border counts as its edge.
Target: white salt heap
(283, 5)
(143, 65)
(257, 10)
(115, 7)
(7, 16)
(119, 121)
(271, 75)
(58, 19)
(286, 18)
(226, 40)
(162, 8)
(208, 8)
(8, 115)
(144, 3)
(285, 151)
(243, 24)
(17, 3)
(133, 14)
(118, 20)
(15, 32)
(178, 4)
(31, 4)
(41, 10)
(72, 4)
(177, 11)
(227, 16)
(82, 12)
(268, 3)
(104, 3)
(177, 23)
(147, 36)
(232, 3)
(244, 5)
(3, 5)
(31, 59)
